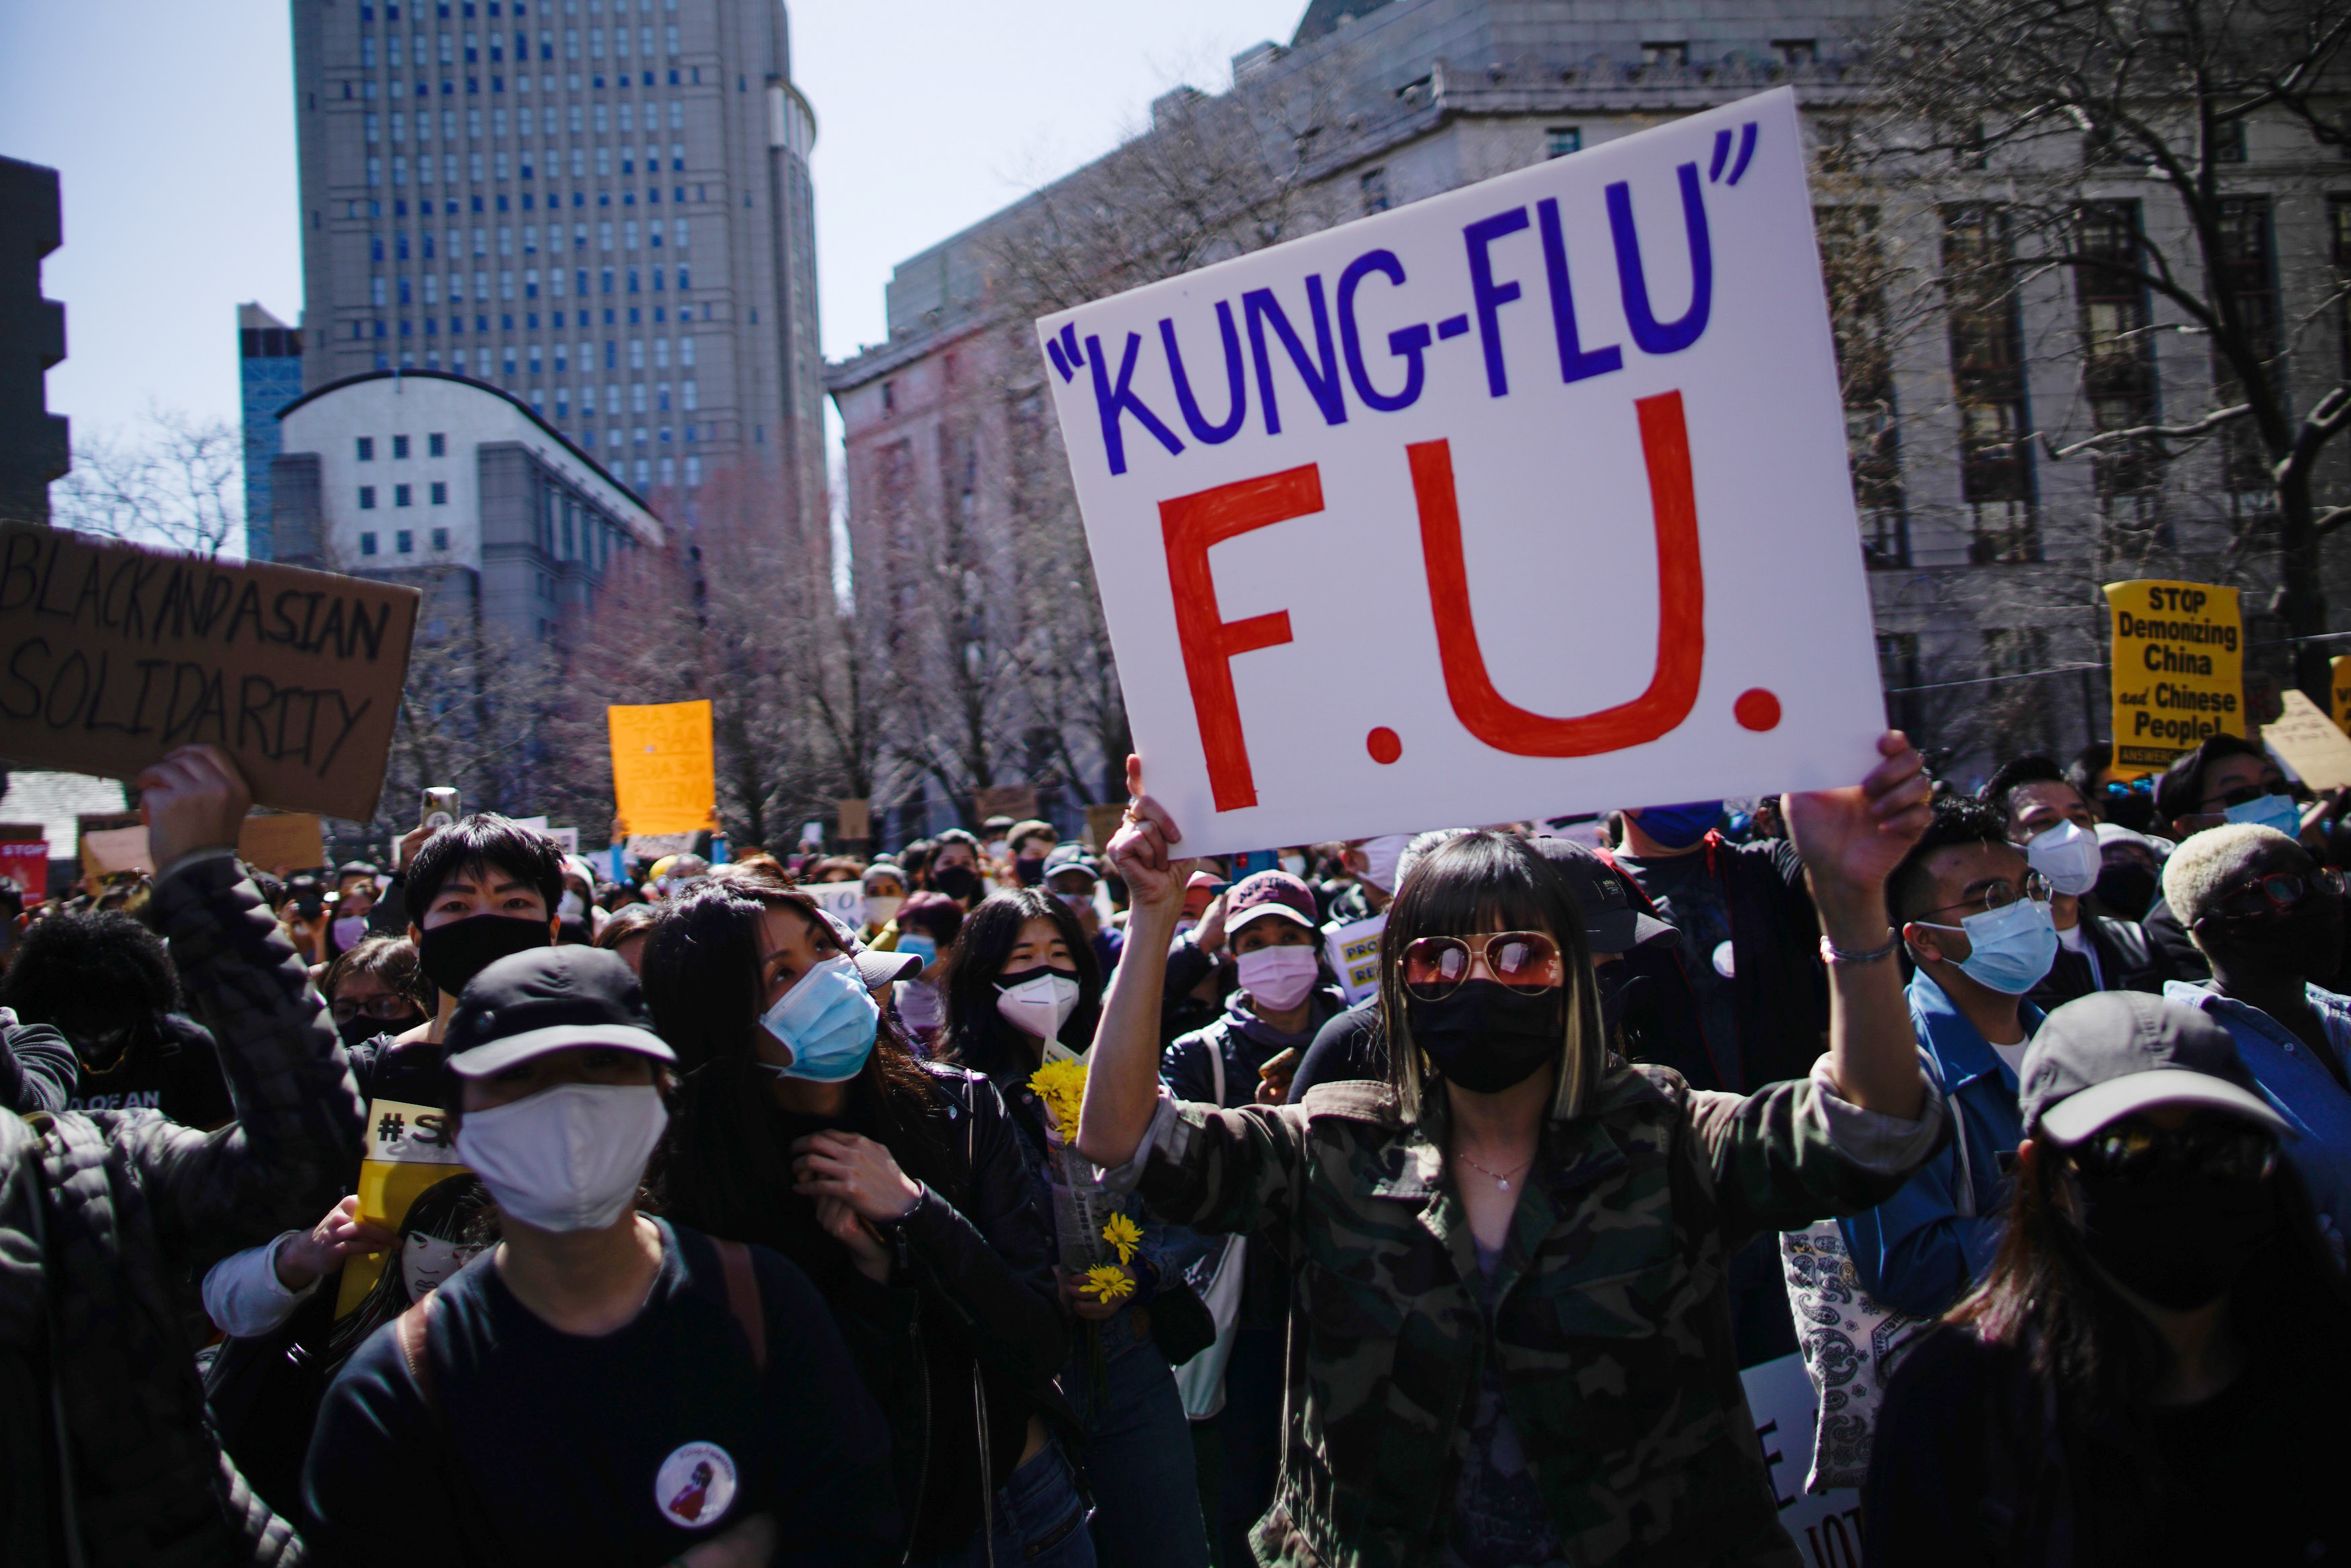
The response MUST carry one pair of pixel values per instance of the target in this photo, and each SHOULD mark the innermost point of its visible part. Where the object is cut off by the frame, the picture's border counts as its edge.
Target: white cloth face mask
(569, 1158)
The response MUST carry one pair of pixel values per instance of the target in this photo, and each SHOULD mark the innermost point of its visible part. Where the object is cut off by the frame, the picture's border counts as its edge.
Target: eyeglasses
(2278, 890)
(1434, 967)
(2244, 792)
(2217, 1148)
(385, 1009)
(2000, 895)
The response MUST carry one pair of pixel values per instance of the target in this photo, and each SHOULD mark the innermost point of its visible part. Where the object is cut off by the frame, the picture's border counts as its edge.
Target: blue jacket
(2298, 1085)
(1917, 1251)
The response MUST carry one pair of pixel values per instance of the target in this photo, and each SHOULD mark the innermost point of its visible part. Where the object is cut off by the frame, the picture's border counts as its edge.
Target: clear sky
(172, 126)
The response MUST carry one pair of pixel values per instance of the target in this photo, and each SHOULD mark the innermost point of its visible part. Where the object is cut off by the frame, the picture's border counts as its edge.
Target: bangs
(1483, 882)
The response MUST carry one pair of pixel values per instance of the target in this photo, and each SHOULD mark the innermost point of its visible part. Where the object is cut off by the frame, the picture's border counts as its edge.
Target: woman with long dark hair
(2155, 1366)
(1512, 1334)
(1023, 991)
(805, 1124)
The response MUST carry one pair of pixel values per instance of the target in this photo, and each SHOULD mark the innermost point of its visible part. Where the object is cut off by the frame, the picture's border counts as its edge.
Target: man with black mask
(1749, 934)
(2269, 918)
(479, 889)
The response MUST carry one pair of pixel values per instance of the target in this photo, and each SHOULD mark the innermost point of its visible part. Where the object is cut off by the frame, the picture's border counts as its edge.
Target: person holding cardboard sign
(104, 1213)
(1515, 1214)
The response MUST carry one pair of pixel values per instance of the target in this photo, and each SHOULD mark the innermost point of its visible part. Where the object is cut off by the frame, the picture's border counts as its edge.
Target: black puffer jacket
(971, 1290)
(131, 1208)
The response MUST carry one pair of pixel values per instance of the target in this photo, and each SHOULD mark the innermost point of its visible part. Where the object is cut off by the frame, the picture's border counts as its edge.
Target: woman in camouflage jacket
(1510, 1344)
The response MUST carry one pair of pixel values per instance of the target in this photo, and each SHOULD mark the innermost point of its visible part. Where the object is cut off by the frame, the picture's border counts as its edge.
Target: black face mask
(957, 882)
(1629, 1000)
(362, 1029)
(1485, 1037)
(2128, 889)
(452, 955)
(1029, 871)
(2178, 1241)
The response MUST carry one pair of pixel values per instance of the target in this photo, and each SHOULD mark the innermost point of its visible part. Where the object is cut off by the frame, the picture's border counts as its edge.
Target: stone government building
(1984, 553)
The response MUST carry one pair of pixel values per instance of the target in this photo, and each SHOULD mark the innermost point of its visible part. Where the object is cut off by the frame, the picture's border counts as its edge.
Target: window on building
(405, 540)
(366, 497)
(1796, 51)
(367, 543)
(2338, 235)
(1986, 340)
(1373, 185)
(1673, 56)
(2118, 380)
(2249, 277)
(2229, 141)
(1562, 139)
(440, 493)
(1898, 675)
(404, 494)
(441, 539)
(400, 446)
(1853, 265)
(436, 445)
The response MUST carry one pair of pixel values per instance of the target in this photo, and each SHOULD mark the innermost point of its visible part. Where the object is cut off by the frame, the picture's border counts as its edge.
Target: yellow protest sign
(408, 1150)
(2339, 689)
(663, 777)
(2178, 671)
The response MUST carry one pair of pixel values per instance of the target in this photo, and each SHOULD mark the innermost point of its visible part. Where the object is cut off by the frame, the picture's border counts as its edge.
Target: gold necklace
(1498, 1179)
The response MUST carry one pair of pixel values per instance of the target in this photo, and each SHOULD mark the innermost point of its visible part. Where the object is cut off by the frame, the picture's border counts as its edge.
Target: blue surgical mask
(922, 946)
(1679, 826)
(2277, 811)
(828, 1020)
(2013, 945)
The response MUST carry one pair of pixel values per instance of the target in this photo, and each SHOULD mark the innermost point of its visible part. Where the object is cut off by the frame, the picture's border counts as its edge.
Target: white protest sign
(1522, 500)
(1354, 950)
(1826, 1526)
(567, 836)
(843, 900)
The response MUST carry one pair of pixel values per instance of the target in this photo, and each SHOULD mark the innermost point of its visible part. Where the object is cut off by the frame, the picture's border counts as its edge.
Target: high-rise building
(268, 377)
(33, 441)
(601, 207)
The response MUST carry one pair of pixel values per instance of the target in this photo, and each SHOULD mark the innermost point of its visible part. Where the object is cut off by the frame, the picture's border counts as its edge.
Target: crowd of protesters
(1002, 1198)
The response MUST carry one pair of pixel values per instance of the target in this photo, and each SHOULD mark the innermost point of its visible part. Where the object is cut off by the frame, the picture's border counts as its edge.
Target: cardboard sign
(2178, 671)
(1103, 825)
(2310, 743)
(111, 655)
(408, 1149)
(1354, 952)
(107, 850)
(279, 842)
(1016, 801)
(853, 819)
(663, 777)
(569, 837)
(25, 859)
(2339, 685)
(1527, 499)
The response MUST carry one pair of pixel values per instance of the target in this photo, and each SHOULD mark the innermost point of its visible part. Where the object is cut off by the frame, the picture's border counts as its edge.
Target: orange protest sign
(663, 780)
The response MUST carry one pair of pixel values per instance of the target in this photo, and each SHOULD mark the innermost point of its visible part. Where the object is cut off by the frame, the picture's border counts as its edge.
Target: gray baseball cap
(2113, 1054)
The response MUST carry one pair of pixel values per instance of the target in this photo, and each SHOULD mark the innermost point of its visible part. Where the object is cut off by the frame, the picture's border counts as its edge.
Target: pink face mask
(1278, 978)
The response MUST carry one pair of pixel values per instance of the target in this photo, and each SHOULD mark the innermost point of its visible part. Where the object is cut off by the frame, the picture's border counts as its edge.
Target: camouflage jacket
(1610, 1321)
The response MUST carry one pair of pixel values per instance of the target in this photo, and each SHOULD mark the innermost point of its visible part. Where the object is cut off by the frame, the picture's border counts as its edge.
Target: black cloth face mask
(2128, 890)
(957, 882)
(2178, 1241)
(452, 955)
(1486, 1037)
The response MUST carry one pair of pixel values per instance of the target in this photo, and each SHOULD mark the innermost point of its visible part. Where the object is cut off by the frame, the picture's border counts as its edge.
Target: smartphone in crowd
(439, 806)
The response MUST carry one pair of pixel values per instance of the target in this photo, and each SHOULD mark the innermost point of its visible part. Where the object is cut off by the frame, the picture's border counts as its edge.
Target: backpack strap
(410, 1328)
(742, 1298)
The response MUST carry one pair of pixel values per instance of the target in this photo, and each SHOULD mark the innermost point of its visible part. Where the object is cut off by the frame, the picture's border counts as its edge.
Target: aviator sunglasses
(1434, 967)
